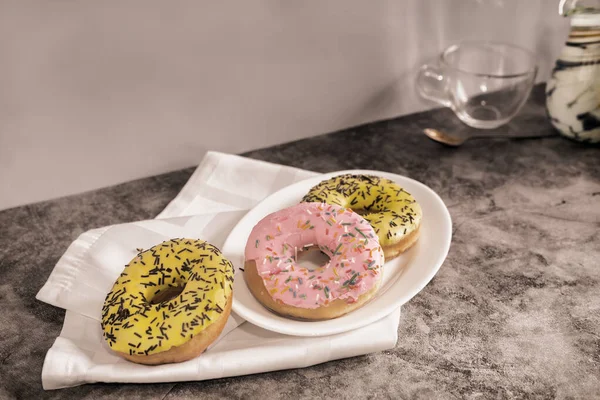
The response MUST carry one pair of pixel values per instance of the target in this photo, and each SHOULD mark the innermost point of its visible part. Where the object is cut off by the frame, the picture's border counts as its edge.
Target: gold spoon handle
(512, 135)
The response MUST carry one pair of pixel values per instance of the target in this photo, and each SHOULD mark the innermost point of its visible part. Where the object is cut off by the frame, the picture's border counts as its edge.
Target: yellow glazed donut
(392, 211)
(144, 323)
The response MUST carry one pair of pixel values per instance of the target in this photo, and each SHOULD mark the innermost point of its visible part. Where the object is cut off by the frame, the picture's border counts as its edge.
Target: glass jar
(573, 91)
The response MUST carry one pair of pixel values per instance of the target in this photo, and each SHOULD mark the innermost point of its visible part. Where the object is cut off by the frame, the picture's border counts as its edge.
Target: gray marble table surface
(514, 312)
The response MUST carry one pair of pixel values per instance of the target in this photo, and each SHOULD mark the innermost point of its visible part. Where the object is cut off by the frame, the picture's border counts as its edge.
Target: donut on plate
(392, 211)
(347, 281)
(170, 303)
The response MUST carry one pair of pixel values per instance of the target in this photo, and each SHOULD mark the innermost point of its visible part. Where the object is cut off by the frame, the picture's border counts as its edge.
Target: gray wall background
(97, 93)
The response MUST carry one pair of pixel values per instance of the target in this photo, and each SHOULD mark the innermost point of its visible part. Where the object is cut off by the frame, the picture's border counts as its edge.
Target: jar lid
(585, 20)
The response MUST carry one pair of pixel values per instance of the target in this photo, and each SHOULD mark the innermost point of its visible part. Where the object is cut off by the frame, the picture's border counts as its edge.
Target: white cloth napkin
(218, 194)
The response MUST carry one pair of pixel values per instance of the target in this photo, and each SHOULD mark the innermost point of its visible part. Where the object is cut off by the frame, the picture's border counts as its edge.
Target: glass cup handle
(430, 84)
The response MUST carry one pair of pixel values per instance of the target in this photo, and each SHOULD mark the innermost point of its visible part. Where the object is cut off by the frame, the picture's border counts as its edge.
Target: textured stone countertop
(514, 312)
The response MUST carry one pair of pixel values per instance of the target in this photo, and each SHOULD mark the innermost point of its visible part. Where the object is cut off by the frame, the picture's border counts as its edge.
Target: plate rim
(383, 312)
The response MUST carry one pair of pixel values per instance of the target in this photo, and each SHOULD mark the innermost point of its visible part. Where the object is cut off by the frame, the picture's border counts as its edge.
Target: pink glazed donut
(347, 281)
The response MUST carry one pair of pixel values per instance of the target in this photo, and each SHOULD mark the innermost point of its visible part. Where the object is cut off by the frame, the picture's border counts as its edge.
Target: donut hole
(362, 211)
(167, 294)
(311, 258)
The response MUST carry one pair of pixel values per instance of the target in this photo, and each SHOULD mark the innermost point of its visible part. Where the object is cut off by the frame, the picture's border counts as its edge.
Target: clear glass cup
(484, 83)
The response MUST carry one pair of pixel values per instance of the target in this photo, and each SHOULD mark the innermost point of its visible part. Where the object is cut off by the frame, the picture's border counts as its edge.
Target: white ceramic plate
(403, 277)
